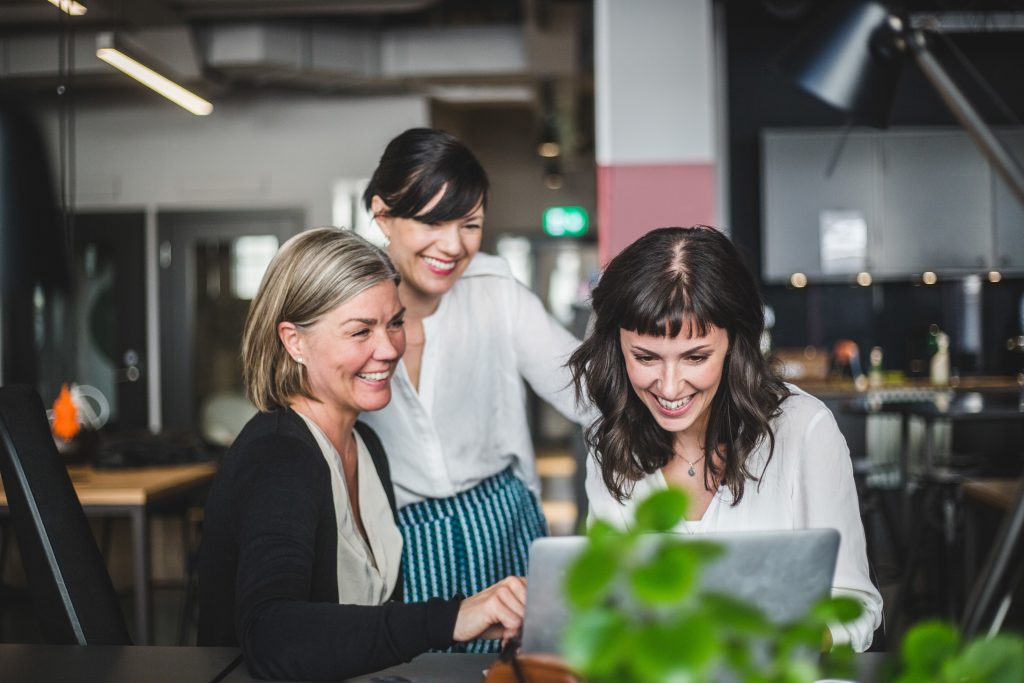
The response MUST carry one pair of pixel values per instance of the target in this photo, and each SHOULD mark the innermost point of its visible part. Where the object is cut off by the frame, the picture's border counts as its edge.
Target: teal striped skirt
(466, 543)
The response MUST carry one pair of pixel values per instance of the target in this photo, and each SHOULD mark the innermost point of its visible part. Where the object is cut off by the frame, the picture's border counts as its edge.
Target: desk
(938, 478)
(988, 501)
(466, 668)
(954, 408)
(111, 664)
(131, 493)
(115, 664)
(996, 493)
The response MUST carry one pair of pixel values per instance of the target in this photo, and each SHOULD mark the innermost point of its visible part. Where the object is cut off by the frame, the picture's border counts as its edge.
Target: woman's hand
(495, 612)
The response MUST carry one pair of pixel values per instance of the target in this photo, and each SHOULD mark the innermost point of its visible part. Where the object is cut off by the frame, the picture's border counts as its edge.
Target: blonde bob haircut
(312, 274)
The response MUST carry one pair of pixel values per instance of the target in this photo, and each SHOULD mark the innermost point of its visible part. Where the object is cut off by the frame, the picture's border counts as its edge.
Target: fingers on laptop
(495, 612)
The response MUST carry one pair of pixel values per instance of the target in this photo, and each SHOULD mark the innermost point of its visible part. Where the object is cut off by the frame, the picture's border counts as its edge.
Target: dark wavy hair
(669, 279)
(416, 165)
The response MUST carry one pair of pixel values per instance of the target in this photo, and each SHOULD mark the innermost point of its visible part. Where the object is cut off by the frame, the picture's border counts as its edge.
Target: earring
(298, 359)
(387, 241)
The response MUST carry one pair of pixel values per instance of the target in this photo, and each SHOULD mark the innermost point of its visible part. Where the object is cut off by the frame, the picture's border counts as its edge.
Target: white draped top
(367, 572)
(807, 484)
(468, 420)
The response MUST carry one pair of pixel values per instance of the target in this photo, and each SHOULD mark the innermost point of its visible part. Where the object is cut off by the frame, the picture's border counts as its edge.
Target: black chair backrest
(1000, 576)
(72, 593)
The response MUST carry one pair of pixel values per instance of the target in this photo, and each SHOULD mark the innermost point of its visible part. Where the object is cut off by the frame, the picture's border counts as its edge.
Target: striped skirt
(466, 543)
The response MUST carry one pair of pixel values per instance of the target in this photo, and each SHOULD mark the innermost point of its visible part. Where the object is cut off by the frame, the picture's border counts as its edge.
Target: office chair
(71, 591)
(994, 588)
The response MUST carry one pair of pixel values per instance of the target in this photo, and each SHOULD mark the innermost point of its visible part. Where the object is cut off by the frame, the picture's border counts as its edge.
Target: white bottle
(940, 360)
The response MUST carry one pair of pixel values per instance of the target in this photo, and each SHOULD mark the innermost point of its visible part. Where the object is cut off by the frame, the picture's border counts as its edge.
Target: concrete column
(654, 66)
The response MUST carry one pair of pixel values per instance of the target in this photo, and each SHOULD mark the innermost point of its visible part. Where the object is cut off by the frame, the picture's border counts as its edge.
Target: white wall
(283, 152)
(653, 69)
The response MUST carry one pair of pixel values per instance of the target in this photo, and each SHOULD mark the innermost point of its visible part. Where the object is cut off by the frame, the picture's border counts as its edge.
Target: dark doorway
(110, 321)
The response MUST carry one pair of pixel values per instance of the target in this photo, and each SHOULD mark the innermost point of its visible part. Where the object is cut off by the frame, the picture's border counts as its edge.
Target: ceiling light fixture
(549, 149)
(115, 53)
(75, 9)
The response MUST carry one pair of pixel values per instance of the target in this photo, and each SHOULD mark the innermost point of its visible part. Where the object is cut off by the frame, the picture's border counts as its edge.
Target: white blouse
(468, 420)
(367, 574)
(807, 484)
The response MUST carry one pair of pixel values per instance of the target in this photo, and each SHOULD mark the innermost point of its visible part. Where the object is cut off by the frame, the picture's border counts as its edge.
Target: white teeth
(374, 376)
(440, 265)
(674, 405)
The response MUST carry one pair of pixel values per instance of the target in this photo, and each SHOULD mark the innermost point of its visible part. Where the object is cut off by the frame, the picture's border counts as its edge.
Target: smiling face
(351, 352)
(430, 257)
(676, 377)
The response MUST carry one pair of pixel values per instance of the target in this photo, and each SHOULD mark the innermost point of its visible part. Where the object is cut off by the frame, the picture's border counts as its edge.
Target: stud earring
(387, 241)
(298, 359)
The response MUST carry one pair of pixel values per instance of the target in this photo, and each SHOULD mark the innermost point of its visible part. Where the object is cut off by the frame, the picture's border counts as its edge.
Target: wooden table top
(133, 486)
(999, 493)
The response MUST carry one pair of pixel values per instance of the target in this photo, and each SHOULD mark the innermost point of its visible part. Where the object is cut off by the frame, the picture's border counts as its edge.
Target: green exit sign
(566, 221)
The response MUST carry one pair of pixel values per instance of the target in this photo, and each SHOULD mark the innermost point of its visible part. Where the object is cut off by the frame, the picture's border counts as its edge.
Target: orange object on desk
(65, 415)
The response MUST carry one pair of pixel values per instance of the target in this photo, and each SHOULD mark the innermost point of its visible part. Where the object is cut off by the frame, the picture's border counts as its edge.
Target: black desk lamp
(851, 59)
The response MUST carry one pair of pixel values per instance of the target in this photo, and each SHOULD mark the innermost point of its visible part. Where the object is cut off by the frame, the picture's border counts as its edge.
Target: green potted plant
(639, 615)
(934, 652)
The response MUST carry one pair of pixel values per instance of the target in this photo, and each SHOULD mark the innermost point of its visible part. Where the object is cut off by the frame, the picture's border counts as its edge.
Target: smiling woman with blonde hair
(300, 559)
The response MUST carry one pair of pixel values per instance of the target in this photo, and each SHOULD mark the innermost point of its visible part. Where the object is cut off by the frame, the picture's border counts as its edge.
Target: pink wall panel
(633, 199)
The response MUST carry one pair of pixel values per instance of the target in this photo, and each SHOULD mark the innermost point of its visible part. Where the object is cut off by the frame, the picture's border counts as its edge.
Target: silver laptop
(781, 572)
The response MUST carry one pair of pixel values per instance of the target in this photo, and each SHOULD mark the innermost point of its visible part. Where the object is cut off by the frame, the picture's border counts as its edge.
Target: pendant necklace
(692, 472)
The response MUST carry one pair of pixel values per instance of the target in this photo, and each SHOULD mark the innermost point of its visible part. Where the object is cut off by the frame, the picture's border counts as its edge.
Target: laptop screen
(781, 572)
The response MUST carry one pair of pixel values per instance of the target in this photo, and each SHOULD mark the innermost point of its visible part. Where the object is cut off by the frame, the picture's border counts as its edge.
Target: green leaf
(590, 577)
(668, 576)
(996, 660)
(661, 511)
(706, 550)
(841, 609)
(927, 645)
(597, 641)
(675, 651)
(800, 637)
(800, 670)
(603, 532)
(734, 616)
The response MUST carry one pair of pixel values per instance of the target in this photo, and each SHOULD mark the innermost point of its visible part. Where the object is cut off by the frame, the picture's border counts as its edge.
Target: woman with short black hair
(456, 430)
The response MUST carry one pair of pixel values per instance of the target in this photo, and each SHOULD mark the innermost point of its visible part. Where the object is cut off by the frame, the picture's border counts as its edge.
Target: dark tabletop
(111, 664)
(464, 668)
(960, 407)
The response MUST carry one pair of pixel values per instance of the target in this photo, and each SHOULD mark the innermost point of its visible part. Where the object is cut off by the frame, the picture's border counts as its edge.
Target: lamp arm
(990, 146)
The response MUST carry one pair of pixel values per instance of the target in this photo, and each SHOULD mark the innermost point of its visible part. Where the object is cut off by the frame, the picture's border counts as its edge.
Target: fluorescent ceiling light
(71, 7)
(113, 53)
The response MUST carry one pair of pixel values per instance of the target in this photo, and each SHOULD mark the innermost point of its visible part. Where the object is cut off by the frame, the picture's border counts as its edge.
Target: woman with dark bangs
(687, 399)
(456, 431)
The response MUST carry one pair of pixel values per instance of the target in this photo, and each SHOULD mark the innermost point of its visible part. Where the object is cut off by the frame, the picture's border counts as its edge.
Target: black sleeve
(279, 501)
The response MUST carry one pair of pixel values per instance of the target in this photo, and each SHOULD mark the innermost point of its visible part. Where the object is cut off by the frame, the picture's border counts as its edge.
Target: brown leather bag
(512, 667)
